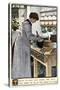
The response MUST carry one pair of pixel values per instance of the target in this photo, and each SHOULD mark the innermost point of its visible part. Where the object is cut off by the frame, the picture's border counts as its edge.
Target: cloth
(21, 59)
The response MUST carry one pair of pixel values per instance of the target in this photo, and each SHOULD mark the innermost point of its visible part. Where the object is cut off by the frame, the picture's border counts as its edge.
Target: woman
(21, 59)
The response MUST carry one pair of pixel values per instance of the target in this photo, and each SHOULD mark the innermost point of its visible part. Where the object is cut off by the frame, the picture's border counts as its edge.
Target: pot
(40, 43)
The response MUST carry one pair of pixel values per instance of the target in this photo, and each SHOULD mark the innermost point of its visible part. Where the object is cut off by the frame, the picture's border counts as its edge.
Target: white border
(4, 45)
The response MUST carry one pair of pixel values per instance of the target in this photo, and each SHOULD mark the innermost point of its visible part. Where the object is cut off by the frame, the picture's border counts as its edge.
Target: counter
(44, 56)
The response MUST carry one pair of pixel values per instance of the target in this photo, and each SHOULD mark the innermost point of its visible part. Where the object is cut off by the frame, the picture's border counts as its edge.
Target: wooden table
(46, 63)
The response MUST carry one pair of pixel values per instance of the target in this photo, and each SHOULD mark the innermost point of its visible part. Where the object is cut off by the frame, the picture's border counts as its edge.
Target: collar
(29, 21)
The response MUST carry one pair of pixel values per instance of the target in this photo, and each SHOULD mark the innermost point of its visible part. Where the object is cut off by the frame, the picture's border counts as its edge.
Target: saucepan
(40, 43)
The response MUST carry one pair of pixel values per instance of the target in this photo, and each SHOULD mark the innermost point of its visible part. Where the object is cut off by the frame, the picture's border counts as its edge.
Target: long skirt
(21, 60)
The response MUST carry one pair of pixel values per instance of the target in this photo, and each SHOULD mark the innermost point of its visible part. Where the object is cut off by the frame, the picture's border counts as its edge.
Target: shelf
(48, 25)
(48, 11)
(48, 20)
(47, 15)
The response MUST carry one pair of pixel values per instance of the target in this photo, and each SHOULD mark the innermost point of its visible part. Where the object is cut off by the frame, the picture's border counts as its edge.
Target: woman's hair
(34, 15)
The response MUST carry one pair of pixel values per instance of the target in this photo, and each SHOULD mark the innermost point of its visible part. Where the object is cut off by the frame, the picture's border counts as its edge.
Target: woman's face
(33, 20)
